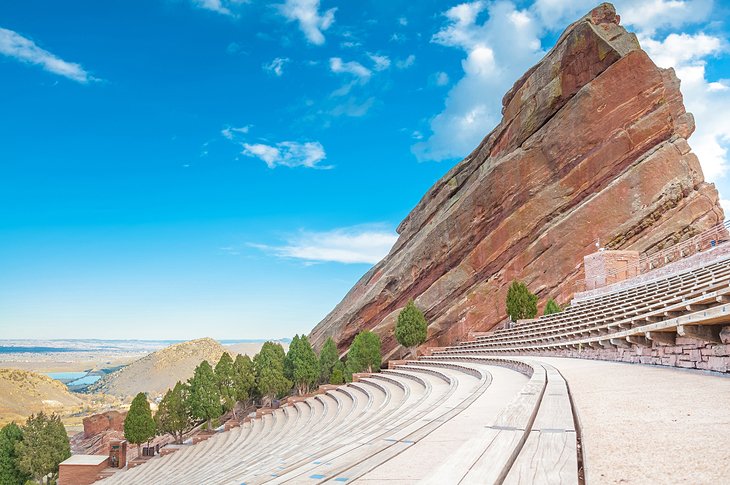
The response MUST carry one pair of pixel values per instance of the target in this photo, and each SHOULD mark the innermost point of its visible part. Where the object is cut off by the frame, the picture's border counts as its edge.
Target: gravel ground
(650, 425)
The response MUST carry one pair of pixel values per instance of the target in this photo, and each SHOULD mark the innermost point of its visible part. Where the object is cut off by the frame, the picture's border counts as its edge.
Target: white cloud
(306, 13)
(338, 66)
(403, 21)
(498, 51)
(709, 102)
(381, 63)
(223, 7)
(25, 50)
(288, 154)
(725, 203)
(352, 245)
(406, 63)
(230, 132)
(276, 66)
(441, 78)
(501, 48)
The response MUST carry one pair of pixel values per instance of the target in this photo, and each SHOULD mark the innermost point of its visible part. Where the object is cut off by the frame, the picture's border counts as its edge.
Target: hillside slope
(592, 146)
(23, 393)
(160, 370)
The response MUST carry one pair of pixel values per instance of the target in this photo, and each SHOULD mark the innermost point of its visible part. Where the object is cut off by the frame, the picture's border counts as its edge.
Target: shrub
(205, 399)
(269, 365)
(10, 472)
(328, 359)
(301, 365)
(521, 303)
(552, 307)
(364, 353)
(173, 413)
(43, 447)
(411, 329)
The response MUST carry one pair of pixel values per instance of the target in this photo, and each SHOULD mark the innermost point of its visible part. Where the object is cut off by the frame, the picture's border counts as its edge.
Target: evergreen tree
(173, 413)
(364, 353)
(139, 426)
(328, 358)
(269, 366)
(338, 373)
(10, 472)
(411, 329)
(43, 447)
(244, 378)
(205, 399)
(301, 365)
(224, 376)
(521, 303)
(552, 307)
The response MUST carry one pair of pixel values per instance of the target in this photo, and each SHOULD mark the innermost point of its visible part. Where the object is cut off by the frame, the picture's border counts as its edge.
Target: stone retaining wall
(688, 353)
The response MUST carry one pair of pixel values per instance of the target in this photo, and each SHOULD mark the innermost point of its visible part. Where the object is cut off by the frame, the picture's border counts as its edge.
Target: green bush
(552, 307)
(521, 303)
(411, 329)
(364, 354)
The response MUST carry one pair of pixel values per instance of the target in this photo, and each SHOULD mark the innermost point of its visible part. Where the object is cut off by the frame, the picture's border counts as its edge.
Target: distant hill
(252, 348)
(23, 393)
(157, 372)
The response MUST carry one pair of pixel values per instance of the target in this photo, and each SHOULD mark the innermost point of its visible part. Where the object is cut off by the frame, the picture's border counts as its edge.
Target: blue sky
(181, 168)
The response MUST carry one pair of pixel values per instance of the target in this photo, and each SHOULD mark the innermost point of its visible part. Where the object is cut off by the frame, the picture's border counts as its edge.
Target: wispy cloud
(354, 68)
(223, 7)
(288, 154)
(25, 50)
(365, 244)
(276, 67)
(230, 132)
(381, 63)
(311, 22)
(406, 63)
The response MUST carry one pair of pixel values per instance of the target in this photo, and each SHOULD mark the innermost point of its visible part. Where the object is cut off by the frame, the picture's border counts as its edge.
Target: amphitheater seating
(689, 303)
(345, 434)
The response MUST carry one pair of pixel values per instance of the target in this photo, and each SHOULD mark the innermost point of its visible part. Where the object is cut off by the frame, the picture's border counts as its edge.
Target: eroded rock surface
(592, 146)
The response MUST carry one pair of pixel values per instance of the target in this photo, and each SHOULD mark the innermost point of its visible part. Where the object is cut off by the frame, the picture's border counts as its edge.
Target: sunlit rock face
(592, 146)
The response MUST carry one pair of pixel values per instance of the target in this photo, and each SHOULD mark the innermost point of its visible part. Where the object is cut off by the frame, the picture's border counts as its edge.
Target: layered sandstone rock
(592, 146)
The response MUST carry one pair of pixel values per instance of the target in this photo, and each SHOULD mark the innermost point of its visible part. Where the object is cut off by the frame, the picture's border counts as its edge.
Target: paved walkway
(644, 424)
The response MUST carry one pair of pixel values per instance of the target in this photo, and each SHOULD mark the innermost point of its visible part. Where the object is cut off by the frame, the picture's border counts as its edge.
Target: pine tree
(10, 472)
(173, 413)
(244, 378)
(301, 365)
(364, 353)
(552, 307)
(521, 303)
(224, 376)
(328, 358)
(411, 329)
(44, 446)
(269, 366)
(205, 399)
(338, 373)
(139, 426)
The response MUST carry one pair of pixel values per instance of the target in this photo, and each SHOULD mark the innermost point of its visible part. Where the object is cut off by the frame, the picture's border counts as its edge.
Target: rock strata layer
(592, 147)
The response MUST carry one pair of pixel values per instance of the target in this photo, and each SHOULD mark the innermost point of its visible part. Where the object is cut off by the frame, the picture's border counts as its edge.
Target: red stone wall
(107, 421)
(688, 353)
(608, 267)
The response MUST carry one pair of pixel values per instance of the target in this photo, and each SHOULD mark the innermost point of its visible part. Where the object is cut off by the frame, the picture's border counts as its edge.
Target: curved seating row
(693, 303)
(345, 433)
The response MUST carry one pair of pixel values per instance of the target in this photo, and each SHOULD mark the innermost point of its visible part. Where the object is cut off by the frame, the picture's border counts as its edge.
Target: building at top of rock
(592, 146)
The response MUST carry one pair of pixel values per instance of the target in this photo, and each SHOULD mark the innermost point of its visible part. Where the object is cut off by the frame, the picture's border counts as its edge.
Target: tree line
(232, 383)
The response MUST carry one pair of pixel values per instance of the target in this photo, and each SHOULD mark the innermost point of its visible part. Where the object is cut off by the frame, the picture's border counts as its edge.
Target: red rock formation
(107, 421)
(592, 145)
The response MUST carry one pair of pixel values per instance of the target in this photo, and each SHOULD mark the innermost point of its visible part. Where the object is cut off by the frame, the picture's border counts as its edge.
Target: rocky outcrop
(106, 421)
(592, 147)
